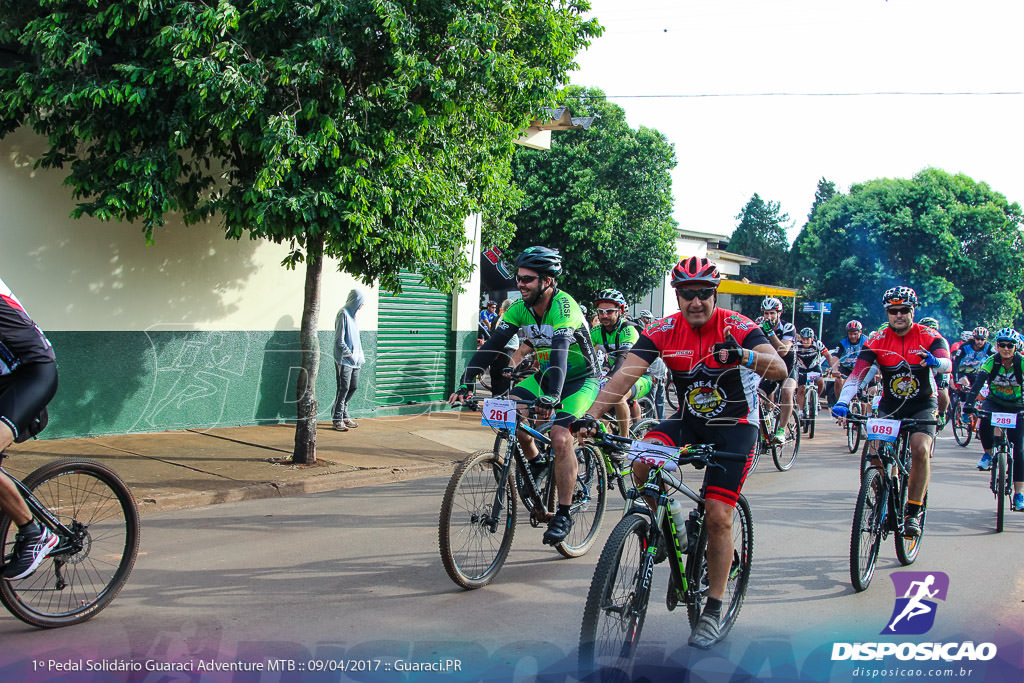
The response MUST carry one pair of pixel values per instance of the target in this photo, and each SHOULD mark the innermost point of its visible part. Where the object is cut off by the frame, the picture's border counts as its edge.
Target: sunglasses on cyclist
(526, 279)
(899, 311)
(702, 294)
(1006, 345)
(607, 311)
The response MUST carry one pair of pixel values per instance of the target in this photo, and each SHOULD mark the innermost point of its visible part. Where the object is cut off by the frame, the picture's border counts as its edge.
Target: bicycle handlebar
(704, 453)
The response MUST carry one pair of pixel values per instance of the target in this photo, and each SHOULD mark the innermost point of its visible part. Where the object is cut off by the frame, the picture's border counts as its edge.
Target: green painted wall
(119, 382)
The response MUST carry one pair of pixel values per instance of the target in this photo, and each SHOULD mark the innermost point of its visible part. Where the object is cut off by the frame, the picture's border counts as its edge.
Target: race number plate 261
(883, 430)
(499, 413)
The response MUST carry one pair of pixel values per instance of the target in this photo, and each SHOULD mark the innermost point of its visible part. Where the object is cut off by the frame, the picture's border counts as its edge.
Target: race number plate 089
(654, 455)
(883, 430)
(499, 413)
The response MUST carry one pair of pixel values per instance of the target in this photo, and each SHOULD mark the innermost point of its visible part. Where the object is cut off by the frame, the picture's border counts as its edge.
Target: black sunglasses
(1006, 345)
(526, 279)
(898, 311)
(702, 294)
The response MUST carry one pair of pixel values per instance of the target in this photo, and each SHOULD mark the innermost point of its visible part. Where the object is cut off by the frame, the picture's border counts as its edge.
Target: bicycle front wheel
(866, 535)
(588, 501)
(853, 435)
(739, 572)
(87, 569)
(616, 606)
(811, 414)
(962, 431)
(784, 454)
(1000, 486)
(477, 522)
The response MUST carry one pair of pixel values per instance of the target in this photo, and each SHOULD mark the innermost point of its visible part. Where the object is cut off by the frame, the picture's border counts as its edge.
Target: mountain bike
(964, 426)
(855, 430)
(479, 508)
(783, 454)
(95, 518)
(882, 497)
(620, 590)
(1001, 480)
(810, 415)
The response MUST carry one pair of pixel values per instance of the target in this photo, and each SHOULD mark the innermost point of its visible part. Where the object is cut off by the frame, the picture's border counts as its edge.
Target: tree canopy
(761, 234)
(603, 197)
(954, 240)
(364, 130)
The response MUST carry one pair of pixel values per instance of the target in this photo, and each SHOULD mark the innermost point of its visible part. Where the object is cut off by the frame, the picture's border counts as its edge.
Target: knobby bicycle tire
(617, 601)
(74, 584)
(811, 412)
(647, 409)
(640, 429)
(739, 572)
(853, 436)
(471, 552)
(866, 534)
(907, 548)
(784, 454)
(671, 396)
(588, 500)
(1000, 487)
(962, 431)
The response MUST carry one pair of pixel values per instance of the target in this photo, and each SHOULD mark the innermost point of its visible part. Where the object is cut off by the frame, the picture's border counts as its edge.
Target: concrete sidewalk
(172, 470)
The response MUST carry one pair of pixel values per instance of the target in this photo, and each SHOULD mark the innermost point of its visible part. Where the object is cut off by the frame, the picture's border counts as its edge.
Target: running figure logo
(914, 612)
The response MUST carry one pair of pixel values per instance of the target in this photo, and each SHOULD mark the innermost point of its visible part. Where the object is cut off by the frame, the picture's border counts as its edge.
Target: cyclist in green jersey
(566, 381)
(613, 337)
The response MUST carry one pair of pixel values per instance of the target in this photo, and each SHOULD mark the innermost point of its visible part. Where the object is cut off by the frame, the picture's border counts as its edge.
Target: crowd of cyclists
(716, 359)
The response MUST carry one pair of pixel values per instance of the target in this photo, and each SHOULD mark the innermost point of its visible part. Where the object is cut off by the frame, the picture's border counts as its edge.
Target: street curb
(285, 488)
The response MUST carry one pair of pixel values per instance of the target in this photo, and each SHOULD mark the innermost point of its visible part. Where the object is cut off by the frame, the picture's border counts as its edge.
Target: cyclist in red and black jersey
(28, 380)
(907, 354)
(716, 358)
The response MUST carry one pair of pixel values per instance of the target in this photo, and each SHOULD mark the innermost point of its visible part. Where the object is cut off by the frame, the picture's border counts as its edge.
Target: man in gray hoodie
(348, 357)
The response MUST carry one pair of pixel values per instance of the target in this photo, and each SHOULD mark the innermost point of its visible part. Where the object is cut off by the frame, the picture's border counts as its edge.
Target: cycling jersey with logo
(906, 384)
(969, 358)
(809, 356)
(615, 344)
(707, 390)
(1004, 389)
(21, 340)
(848, 351)
(786, 332)
(563, 319)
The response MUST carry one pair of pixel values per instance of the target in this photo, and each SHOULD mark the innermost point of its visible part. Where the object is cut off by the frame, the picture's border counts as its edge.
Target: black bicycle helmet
(897, 296)
(543, 260)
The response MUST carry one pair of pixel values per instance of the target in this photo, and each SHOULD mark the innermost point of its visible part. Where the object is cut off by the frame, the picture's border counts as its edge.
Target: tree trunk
(305, 394)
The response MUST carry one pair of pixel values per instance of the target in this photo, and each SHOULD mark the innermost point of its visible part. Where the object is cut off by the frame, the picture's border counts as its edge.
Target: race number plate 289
(499, 413)
(883, 430)
(654, 455)
(1004, 420)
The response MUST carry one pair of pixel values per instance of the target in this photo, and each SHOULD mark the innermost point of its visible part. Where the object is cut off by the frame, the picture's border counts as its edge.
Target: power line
(879, 93)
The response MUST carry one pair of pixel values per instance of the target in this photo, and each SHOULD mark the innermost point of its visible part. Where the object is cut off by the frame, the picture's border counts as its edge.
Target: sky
(700, 72)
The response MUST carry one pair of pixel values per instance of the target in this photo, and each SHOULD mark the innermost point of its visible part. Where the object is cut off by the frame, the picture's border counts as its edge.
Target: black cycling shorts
(722, 485)
(25, 392)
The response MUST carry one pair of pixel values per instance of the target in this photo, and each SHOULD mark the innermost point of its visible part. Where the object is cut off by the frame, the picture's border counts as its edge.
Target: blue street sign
(817, 307)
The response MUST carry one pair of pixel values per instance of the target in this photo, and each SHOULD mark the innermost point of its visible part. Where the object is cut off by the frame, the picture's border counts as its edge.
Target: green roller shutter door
(414, 353)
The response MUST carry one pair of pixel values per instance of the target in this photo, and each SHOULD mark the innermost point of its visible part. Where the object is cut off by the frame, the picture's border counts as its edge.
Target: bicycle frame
(42, 513)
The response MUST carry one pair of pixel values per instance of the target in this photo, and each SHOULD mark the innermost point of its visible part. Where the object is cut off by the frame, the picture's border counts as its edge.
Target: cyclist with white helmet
(613, 337)
(810, 353)
(847, 351)
(906, 353)
(716, 357)
(1002, 372)
(782, 336)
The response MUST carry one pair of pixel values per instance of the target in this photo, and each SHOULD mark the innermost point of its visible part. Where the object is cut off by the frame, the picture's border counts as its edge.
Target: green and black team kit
(561, 341)
(613, 345)
(1004, 396)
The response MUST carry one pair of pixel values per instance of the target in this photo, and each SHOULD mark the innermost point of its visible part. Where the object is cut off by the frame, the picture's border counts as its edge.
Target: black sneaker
(558, 529)
(30, 549)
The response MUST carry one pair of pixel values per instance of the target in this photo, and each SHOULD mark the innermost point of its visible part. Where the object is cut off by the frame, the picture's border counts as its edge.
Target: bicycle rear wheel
(739, 572)
(1000, 486)
(87, 569)
(588, 501)
(784, 454)
(671, 396)
(866, 535)
(474, 540)
(616, 606)
(962, 431)
(640, 429)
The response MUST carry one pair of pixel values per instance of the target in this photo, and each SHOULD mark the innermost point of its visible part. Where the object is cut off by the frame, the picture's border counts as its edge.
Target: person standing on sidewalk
(348, 358)
(28, 380)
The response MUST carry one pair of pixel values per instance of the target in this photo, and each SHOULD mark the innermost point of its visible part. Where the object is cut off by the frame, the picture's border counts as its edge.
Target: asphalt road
(352, 579)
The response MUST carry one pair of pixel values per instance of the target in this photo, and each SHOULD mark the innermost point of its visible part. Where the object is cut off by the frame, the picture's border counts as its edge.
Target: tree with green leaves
(761, 233)
(956, 241)
(359, 130)
(825, 191)
(603, 197)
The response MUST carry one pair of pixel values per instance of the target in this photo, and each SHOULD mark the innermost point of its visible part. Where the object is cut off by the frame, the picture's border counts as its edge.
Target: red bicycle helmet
(854, 325)
(696, 269)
